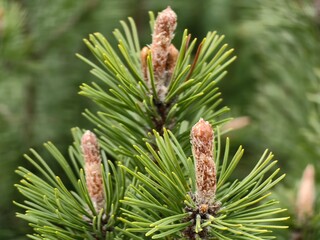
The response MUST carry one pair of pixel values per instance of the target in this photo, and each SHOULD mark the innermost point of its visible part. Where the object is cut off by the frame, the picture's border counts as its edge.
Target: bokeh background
(275, 81)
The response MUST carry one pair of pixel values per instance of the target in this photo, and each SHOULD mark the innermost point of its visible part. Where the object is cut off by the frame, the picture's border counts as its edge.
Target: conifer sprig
(129, 110)
(154, 191)
(61, 208)
(172, 211)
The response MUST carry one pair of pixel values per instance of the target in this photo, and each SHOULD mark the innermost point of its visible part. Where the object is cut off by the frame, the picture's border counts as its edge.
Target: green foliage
(290, 37)
(150, 183)
(127, 106)
(58, 209)
(306, 230)
(157, 199)
(39, 76)
(285, 107)
(11, 31)
(163, 194)
(12, 50)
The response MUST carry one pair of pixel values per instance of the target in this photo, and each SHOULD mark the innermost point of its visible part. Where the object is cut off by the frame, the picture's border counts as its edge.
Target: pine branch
(63, 209)
(173, 210)
(156, 191)
(127, 102)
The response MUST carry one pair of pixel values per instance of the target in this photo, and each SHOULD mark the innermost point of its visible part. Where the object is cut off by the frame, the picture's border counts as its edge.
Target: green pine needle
(63, 209)
(244, 212)
(124, 98)
(150, 184)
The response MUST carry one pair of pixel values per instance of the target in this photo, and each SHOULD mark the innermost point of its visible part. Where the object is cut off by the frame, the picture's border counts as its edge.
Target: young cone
(202, 148)
(92, 168)
(306, 195)
(164, 54)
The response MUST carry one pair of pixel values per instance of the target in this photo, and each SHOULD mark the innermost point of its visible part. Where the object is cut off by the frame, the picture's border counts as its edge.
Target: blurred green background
(275, 81)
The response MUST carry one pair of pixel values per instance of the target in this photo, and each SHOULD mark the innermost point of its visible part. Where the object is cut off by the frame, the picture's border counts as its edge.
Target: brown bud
(202, 148)
(172, 59)
(306, 195)
(237, 123)
(165, 26)
(164, 54)
(92, 168)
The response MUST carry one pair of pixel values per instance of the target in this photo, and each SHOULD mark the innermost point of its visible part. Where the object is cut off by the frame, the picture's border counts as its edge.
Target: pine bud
(164, 54)
(92, 168)
(237, 123)
(306, 195)
(202, 148)
(173, 54)
(163, 33)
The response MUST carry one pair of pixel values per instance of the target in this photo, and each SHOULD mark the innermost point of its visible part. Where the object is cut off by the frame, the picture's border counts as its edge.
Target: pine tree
(139, 176)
